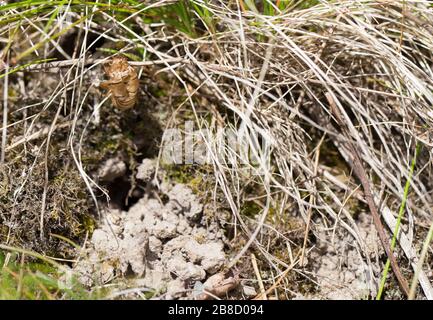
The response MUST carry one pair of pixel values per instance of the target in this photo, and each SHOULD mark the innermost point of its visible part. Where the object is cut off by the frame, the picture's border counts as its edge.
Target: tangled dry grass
(271, 78)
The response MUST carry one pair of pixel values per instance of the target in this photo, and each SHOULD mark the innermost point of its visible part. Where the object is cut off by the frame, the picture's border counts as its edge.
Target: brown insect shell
(123, 83)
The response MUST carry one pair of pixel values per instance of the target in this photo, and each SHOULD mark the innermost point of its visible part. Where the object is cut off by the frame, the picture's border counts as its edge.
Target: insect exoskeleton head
(117, 64)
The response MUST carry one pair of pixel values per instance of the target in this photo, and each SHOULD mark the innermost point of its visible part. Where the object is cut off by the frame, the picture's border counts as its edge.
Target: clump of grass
(24, 279)
(353, 52)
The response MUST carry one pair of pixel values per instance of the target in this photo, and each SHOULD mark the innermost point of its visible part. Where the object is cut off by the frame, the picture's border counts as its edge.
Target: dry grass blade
(361, 173)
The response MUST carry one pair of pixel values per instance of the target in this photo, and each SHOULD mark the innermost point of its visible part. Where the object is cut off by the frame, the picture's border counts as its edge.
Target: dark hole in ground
(145, 133)
(129, 272)
(120, 195)
(71, 41)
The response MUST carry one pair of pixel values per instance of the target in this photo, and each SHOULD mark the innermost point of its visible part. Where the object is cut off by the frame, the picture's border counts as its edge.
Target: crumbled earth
(340, 271)
(163, 242)
(111, 169)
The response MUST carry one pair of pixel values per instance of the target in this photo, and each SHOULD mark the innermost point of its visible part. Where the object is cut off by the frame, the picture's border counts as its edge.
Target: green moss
(196, 183)
(88, 223)
(250, 209)
(180, 173)
(108, 146)
(191, 175)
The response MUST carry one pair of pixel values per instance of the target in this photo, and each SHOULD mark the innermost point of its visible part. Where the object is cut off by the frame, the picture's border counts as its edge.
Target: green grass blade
(397, 226)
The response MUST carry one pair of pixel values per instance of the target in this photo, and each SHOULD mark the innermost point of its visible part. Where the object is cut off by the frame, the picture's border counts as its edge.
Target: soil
(167, 245)
(341, 270)
(164, 241)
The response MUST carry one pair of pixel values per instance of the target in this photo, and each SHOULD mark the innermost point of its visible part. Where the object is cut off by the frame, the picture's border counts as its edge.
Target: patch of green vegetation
(185, 16)
(88, 223)
(180, 16)
(191, 175)
(32, 279)
(180, 173)
(306, 4)
(250, 209)
(271, 7)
